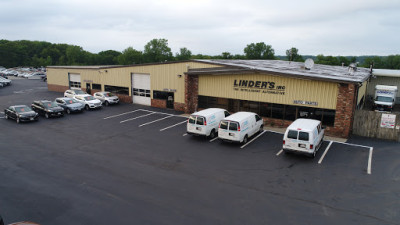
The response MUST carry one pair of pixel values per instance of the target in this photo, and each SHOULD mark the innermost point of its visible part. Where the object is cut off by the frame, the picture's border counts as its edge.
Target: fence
(373, 124)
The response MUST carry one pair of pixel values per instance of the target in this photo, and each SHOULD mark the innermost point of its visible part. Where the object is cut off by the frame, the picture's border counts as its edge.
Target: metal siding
(325, 93)
(361, 92)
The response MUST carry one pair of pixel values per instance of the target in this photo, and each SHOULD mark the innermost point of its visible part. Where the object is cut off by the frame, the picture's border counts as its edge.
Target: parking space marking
(109, 117)
(326, 151)
(213, 139)
(134, 118)
(280, 152)
(184, 134)
(253, 139)
(173, 125)
(163, 113)
(141, 125)
(371, 149)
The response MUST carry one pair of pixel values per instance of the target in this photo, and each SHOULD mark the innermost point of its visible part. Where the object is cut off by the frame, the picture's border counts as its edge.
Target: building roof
(286, 68)
(386, 73)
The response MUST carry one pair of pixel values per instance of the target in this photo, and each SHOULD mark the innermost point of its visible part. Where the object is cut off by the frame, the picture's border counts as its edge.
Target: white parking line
(121, 114)
(141, 125)
(173, 125)
(370, 160)
(213, 139)
(326, 151)
(164, 113)
(363, 146)
(184, 134)
(253, 139)
(123, 121)
(280, 152)
(2, 117)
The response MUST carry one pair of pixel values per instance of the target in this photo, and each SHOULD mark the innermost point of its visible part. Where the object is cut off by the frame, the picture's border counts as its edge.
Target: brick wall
(159, 103)
(179, 106)
(191, 93)
(57, 88)
(125, 98)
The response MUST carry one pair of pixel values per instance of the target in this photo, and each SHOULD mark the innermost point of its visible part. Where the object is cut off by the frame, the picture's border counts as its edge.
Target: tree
(130, 56)
(259, 51)
(376, 61)
(226, 55)
(109, 57)
(75, 55)
(157, 50)
(183, 54)
(293, 55)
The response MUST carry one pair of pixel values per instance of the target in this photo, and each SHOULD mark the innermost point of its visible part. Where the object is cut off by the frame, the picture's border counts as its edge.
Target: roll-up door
(74, 81)
(141, 89)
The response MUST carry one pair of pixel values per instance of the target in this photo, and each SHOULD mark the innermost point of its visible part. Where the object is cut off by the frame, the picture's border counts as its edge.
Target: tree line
(41, 53)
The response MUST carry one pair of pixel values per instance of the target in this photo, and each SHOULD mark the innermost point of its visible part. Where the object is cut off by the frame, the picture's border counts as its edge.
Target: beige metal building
(280, 91)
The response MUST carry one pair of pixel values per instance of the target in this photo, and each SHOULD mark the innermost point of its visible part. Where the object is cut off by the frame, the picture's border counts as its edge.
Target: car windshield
(89, 98)
(383, 99)
(79, 92)
(70, 101)
(50, 104)
(22, 109)
(109, 94)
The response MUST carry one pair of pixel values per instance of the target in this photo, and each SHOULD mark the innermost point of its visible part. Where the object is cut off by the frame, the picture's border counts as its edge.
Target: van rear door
(298, 140)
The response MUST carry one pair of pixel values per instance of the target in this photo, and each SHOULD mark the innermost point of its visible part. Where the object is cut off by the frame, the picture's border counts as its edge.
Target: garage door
(74, 81)
(141, 89)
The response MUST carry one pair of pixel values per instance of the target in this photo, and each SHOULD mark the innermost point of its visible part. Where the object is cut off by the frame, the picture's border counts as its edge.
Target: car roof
(19, 106)
(64, 98)
(304, 124)
(207, 112)
(239, 116)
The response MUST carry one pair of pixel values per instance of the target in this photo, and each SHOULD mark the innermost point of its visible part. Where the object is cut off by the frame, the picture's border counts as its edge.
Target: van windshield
(383, 99)
(223, 125)
(233, 126)
(200, 120)
(292, 134)
(303, 136)
(192, 119)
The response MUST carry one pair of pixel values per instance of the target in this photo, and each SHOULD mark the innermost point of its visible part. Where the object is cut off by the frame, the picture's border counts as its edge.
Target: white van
(239, 127)
(205, 122)
(304, 136)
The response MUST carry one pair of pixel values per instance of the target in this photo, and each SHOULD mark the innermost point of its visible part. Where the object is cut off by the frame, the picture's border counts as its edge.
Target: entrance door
(170, 100)
(88, 89)
(141, 89)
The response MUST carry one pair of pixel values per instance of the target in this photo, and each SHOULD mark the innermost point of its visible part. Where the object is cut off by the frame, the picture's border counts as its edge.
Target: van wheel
(261, 128)
(244, 139)
(212, 134)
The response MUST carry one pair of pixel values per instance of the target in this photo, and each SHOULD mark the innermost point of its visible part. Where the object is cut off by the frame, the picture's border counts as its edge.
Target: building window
(163, 95)
(73, 84)
(277, 111)
(117, 90)
(96, 86)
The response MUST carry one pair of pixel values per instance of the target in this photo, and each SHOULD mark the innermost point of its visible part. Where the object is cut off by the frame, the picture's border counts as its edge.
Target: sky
(210, 27)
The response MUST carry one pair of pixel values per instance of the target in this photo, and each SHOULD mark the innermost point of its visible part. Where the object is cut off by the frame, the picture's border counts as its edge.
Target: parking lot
(130, 164)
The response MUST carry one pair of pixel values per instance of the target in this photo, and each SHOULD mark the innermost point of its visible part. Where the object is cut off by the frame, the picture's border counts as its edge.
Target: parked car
(74, 92)
(21, 113)
(89, 101)
(36, 76)
(205, 122)
(5, 81)
(47, 108)
(240, 126)
(70, 105)
(106, 97)
(304, 136)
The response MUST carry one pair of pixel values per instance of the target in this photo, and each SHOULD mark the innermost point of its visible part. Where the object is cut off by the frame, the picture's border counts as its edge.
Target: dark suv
(47, 108)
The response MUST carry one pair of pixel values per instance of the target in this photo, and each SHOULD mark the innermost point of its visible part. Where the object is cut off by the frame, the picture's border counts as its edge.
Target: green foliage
(157, 50)
(130, 56)
(259, 51)
(183, 54)
(293, 55)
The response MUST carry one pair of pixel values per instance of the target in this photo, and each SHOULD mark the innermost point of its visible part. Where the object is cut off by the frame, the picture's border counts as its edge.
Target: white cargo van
(239, 127)
(205, 122)
(304, 136)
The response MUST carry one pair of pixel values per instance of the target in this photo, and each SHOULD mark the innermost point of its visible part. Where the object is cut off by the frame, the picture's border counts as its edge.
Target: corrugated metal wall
(379, 80)
(362, 91)
(161, 75)
(323, 93)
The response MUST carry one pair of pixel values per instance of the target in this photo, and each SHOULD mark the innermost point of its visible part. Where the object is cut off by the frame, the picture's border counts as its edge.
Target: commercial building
(279, 91)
